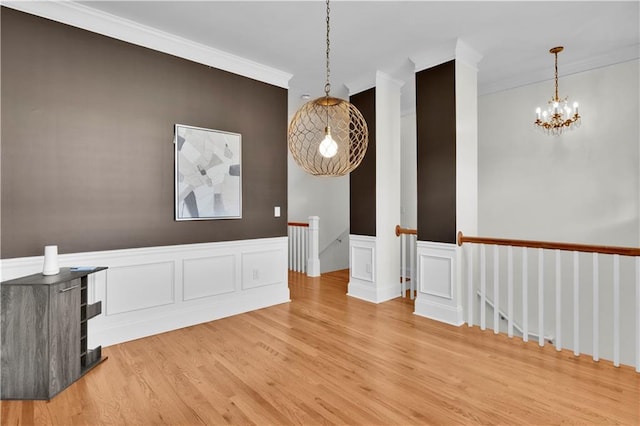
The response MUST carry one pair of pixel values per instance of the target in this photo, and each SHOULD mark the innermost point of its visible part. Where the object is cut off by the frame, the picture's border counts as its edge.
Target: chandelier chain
(327, 86)
(557, 97)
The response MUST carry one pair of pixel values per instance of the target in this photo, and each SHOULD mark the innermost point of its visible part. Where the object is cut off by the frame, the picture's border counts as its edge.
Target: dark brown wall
(362, 181)
(436, 152)
(87, 142)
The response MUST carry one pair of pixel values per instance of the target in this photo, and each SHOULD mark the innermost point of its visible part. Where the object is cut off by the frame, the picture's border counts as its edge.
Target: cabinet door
(24, 350)
(64, 335)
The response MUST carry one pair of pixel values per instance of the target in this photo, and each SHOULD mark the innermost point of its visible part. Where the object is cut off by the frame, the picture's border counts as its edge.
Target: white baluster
(290, 242)
(558, 302)
(596, 308)
(413, 280)
(403, 264)
(299, 251)
(525, 296)
(576, 305)
(638, 314)
(300, 248)
(616, 310)
(496, 288)
(305, 249)
(470, 287)
(293, 248)
(483, 289)
(541, 297)
(510, 291)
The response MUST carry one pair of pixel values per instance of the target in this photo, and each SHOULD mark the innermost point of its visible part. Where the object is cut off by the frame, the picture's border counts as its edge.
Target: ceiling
(512, 37)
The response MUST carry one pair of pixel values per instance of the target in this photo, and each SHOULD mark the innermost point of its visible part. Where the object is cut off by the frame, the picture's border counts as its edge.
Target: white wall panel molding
(258, 270)
(364, 280)
(157, 289)
(439, 294)
(154, 286)
(208, 276)
(84, 17)
(362, 271)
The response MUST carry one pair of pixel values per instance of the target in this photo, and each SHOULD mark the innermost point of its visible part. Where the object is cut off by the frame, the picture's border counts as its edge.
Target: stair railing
(578, 283)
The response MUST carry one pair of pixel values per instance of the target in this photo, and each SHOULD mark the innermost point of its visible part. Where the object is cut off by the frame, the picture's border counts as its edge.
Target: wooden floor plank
(326, 358)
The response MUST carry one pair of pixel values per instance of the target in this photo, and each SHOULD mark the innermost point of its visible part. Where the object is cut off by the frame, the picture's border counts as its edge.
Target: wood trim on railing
(297, 224)
(622, 251)
(400, 230)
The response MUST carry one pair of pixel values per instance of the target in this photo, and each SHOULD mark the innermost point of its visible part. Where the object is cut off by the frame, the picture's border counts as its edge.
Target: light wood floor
(326, 358)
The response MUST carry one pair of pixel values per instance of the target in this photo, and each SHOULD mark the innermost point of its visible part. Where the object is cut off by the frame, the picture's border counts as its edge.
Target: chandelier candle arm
(328, 136)
(558, 115)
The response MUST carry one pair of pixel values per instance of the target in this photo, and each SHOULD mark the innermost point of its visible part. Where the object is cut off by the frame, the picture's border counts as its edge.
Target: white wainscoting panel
(136, 287)
(362, 268)
(258, 270)
(439, 294)
(440, 273)
(152, 290)
(208, 276)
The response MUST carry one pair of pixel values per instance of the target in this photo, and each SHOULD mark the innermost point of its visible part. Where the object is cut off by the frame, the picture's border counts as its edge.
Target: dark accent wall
(436, 153)
(362, 181)
(87, 154)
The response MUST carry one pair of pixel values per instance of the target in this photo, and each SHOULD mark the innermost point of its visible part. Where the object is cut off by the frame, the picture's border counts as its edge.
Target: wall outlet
(276, 211)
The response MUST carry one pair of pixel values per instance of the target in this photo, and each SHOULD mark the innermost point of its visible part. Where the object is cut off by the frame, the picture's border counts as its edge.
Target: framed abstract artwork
(208, 178)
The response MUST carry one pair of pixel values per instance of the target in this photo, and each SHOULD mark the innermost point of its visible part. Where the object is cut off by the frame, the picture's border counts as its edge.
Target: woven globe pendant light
(328, 136)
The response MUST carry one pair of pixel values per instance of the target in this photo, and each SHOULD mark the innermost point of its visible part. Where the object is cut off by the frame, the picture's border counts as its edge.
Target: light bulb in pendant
(328, 147)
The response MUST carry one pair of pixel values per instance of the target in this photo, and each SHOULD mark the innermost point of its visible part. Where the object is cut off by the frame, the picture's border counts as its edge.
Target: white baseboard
(152, 290)
(444, 313)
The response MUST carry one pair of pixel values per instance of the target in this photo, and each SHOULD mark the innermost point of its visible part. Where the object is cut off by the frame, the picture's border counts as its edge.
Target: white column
(313, 262)
(374, 261)
(439, 299)
(388, 171)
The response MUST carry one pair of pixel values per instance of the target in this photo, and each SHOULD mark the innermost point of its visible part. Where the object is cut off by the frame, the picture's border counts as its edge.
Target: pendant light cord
(327, 86)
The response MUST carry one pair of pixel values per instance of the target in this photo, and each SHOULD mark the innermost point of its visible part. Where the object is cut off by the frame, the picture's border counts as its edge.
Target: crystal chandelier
(558, 115)
(328, 136)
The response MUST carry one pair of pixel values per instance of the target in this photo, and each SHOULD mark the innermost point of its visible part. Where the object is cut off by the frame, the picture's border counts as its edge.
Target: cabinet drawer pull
(64, 290)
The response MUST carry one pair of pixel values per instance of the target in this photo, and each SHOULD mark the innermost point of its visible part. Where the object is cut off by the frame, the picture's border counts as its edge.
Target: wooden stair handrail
(400, 230)
(622, 251)
(297, 224)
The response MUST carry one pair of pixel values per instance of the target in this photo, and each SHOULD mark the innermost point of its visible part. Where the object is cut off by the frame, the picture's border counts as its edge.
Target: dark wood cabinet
(43, 323)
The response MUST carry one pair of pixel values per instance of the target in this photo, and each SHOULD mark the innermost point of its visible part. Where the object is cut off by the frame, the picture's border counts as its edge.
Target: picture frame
(208, 174)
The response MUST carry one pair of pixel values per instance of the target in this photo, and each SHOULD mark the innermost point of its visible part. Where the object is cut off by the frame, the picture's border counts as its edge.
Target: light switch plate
(276, 211)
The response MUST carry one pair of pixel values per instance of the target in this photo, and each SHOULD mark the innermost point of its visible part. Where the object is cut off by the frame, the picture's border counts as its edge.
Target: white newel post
(313, 262)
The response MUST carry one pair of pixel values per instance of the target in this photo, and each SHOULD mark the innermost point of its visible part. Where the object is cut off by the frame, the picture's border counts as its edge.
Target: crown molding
(624, 54)
(381, 75)
(466, 54)
(456, 49)
(437, 55)
(365, 82)
(89, 19)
